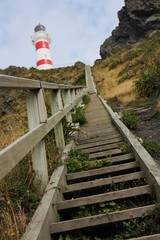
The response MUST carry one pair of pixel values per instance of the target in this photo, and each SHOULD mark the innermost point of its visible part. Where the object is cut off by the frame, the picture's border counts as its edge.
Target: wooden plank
(101, 219)
(101, 171)
(37, 114)
(11, 155)
(97, 139)
(57, 105)
(100, 143)
(100, 148)
(105, 153)
(122, 158)
(103, 182)
(67, 204)
(98, 127)
(150, 237)
(90, 135)
(99, 130)
(49, 85)
(10, 82)
(129, 157)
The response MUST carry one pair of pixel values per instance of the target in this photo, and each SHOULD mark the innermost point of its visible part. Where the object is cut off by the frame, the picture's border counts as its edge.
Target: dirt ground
(148, 126)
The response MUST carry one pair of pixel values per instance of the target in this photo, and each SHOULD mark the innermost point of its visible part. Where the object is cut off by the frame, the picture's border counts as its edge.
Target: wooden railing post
(78, 92)
(73, 95)
(57, 105)
(37, 114)
(67, 100)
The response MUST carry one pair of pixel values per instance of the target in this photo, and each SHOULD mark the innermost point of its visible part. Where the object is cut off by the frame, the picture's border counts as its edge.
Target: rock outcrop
(138, 19)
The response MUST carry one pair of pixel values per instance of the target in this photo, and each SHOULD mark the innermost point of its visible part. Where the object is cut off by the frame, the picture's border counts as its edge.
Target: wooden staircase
(122, 186)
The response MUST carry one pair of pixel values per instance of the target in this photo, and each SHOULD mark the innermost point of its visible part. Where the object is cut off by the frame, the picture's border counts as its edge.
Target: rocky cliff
(138, 19)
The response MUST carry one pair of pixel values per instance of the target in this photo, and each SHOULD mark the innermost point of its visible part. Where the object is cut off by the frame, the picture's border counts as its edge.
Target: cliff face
(138, 19)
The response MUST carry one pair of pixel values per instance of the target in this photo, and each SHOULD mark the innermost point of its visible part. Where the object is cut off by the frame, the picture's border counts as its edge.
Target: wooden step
(102, 182)
(106, 153)
(101, 219)
(100, 143)
(91, 135)
(101, 148)
(150, 237)
(132, 192)
(97, 139)
(101, 126)
(101, 172)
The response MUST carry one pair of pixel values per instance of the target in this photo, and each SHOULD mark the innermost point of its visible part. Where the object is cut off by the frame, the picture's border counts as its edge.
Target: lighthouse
(41, 41)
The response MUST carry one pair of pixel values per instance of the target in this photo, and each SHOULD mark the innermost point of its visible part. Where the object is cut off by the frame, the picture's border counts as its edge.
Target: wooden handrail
(39, 124)
(10, 82)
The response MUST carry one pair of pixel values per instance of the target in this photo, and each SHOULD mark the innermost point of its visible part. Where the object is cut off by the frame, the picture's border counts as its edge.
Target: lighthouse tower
(41, 41)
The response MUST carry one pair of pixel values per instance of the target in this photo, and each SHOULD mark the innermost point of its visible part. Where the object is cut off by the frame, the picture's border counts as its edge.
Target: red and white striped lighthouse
(41, 41)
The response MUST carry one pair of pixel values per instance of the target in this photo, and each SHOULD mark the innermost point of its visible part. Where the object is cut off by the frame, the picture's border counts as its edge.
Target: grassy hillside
(67, 75)
(132, 75)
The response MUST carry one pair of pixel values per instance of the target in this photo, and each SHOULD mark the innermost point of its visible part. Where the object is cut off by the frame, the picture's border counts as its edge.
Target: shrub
(79, 116)
(78, 161)
(149, 83)
(112, 106)
(130, 120)
(80, 80)
(123, 77)
(114, 63)
(151, 146)
(86, 99)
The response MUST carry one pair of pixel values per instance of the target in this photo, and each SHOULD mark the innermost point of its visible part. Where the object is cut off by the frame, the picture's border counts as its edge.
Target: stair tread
(101, 148)
(100, 171)
(111, 152)
(149, 237)
(100, 143)
(121, 194)
(103, 182)
(101, 219)
(97, 139)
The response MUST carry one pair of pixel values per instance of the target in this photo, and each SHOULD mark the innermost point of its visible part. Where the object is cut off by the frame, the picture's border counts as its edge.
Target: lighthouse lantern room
(41, 41)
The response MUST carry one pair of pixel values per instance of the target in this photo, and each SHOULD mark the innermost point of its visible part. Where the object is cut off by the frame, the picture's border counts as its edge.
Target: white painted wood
(67, 101)
(48, 85)
(78, 93)
(73, 95)
(37, 114)
(11, 155)
(57, 105)
(90, 81)
(10, 82)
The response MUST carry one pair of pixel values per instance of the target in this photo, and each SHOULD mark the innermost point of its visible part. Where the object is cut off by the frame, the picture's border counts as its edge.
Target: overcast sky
(77, 29)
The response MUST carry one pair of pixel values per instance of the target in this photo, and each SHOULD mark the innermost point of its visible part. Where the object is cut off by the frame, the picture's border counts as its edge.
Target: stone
(137, 20)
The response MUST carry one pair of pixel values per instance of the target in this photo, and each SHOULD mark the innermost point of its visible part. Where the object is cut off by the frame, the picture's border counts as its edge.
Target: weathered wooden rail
(63, 99)
(136, 173)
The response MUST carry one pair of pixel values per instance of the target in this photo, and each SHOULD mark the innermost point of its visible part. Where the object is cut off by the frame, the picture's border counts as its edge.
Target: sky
(77, 29)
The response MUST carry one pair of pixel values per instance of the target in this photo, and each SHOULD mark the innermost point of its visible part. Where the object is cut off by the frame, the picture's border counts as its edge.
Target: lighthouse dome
(39, 27)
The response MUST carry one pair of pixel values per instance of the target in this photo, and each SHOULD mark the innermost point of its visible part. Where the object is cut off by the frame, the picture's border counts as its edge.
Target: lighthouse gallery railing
(63, 99)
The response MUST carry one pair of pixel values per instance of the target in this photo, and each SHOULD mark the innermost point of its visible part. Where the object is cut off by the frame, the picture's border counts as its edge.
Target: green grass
(130, 120)
(79, 116)
(78, 161)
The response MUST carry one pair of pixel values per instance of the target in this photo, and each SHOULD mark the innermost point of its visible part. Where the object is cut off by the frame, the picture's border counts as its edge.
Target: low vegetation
(130, 120)
(78, 116)
(66, 75)
(151, 146)
(78, 161)
(131, 75)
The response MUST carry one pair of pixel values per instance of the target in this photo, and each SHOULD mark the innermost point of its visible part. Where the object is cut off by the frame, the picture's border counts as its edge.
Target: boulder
(137, 20)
